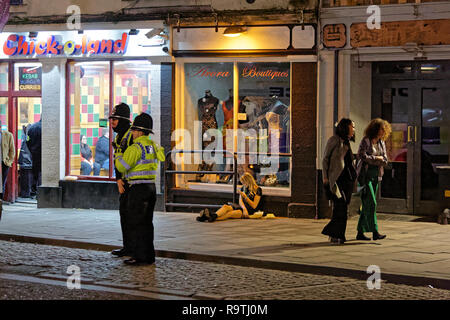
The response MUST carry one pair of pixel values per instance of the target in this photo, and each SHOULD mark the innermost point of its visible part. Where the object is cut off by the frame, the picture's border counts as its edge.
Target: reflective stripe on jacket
(139, 163)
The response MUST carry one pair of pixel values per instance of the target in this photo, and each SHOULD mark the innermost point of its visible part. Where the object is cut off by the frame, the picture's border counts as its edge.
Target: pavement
(414, 252)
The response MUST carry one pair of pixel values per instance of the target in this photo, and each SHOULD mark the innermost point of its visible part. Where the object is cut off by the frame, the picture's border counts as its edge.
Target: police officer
(139, 165)
(120, 123)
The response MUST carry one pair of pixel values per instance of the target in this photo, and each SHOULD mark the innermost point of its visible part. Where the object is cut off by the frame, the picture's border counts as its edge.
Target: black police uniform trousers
(124, 213)
(141, 203)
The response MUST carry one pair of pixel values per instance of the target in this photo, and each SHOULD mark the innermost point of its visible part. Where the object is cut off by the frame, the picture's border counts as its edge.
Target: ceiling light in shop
(234, 31)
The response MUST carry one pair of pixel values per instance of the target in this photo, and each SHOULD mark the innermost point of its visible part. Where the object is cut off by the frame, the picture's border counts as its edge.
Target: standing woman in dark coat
(372, 158)
(339, 177)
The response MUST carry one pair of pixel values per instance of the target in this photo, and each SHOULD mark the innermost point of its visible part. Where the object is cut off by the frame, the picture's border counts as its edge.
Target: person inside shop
(25, 163)
(34, 144)
(339, 176)
(139, 165)
(372, 159)
(250, 202)
(102, 152)
(87, 162)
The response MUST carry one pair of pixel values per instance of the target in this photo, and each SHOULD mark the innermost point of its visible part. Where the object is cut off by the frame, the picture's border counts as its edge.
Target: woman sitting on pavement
(250, 202)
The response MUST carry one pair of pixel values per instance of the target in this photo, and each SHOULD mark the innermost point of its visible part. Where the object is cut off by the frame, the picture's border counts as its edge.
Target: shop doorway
(20, 105)
(414, 98)
(28, 111)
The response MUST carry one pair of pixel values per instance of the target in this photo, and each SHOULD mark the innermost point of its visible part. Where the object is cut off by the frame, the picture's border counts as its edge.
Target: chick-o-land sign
(20, 45)
(88, 44)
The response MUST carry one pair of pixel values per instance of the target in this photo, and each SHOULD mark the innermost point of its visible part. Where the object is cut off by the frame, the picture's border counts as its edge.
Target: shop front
(400, 73)
(244, 104)
(72, 80)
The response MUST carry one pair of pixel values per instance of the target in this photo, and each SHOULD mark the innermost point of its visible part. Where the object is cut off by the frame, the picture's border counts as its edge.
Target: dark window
(15, 2)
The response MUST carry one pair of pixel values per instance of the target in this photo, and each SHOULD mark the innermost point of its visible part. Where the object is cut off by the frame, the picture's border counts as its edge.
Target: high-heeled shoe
(213, 217)
(202, 217)
(377, 236)
(361, 236)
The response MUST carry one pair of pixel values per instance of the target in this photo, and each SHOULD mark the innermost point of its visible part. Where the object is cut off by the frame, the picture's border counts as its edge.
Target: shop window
(3, 76)
(264, 92)
(90, 91)
(247, 115)
(89, 102)
(29, 111)
(4, 113)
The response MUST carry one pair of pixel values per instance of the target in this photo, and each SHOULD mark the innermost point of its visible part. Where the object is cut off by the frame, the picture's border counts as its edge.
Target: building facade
(399, 71)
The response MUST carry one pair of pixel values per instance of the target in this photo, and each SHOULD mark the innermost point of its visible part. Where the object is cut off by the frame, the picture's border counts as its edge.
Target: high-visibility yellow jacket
(120, 147)
(139, 163)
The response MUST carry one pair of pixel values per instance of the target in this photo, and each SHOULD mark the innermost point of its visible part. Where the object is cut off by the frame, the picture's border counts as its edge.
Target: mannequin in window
(227, 108)
(207, 107)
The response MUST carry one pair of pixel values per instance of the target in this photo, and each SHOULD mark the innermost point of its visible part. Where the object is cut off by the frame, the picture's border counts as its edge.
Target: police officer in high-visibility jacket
(120, 123)
(139, 166)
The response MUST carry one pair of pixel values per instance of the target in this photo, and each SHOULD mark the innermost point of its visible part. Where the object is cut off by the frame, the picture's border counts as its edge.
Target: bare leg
(222, 211)
(234, 214)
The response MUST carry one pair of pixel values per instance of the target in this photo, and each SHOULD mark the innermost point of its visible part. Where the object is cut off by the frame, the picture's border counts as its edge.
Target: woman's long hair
(342, 129)
(374, 127)
(248, 181)
(85, 151)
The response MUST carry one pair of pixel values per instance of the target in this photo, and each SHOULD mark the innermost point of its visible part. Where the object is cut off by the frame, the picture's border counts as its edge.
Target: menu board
(30, 78)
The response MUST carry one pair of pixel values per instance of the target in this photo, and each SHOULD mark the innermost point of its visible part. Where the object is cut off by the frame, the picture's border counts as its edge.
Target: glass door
(395, 100)
(28, 111)
(432, 144)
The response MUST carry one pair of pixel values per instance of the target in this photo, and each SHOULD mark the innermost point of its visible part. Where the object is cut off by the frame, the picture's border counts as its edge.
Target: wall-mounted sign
(334, 36)
(30, 78)
(246, 72)
(391, 34)
(20, 45)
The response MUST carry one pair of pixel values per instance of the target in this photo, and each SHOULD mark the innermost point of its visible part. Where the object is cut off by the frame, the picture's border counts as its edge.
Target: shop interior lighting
(234, 31)
(133, 32)
(32, 34)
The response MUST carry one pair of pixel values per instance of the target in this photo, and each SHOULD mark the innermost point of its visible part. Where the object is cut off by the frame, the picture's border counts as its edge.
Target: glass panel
(4, 113)
(435, 67)
(395, 103)
(27, 76)
(435, 137)
(208, 120)
(264, 94)
(3, 76)
(29, 111)
(89, 102)
(393, 68)
(132, 81)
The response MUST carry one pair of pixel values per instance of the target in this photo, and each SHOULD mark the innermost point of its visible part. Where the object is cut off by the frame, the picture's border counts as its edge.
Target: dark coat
(34, 141)
(25, 159)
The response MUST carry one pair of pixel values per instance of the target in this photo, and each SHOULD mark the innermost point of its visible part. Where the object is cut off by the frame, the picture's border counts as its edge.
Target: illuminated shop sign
(247, 72)
(19, 45)
(30, 78)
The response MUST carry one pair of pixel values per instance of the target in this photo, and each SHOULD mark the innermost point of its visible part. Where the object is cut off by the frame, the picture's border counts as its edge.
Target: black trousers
(26, 182)
(338, 223)
(124, 213)
(5, 170)
(141, 203)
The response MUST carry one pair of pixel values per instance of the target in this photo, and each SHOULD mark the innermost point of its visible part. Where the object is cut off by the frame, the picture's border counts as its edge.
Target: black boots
(361, 236)
(204, 215)
(212, 218)
(377, 236)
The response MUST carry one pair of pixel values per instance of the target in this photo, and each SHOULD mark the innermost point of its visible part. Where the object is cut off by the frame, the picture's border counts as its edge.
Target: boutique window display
(255, 126)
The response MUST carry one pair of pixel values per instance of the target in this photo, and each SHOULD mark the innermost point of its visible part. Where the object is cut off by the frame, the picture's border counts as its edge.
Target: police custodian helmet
(143, 122)
(121, 111)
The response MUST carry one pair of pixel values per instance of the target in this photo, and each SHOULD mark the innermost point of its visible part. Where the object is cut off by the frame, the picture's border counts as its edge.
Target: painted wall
(51, 7)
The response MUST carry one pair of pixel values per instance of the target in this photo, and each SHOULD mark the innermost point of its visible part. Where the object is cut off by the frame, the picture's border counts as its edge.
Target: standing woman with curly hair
(372, 158)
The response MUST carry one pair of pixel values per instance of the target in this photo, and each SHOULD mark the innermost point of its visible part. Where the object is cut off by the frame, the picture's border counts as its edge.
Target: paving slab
(416, 250)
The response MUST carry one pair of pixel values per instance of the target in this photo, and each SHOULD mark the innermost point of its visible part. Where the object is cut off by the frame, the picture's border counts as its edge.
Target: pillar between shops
(53, 132)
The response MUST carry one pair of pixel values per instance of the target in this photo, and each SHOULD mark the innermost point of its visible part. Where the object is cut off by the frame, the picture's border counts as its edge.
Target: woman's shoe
(377, 236)
(202, 216)
(361, 236)
(212, 218)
